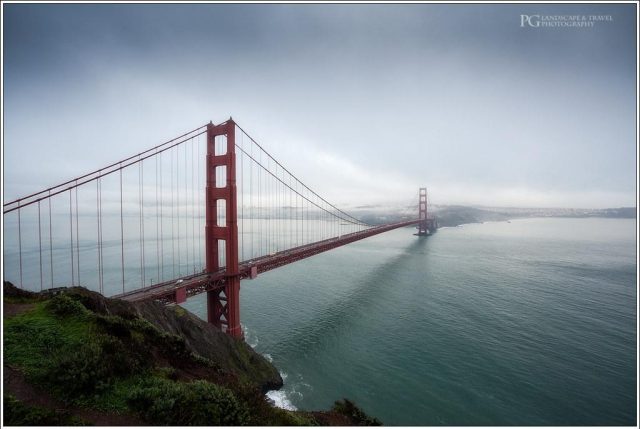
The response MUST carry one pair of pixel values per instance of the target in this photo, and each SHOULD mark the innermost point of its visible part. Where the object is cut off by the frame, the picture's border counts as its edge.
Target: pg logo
(530, 20)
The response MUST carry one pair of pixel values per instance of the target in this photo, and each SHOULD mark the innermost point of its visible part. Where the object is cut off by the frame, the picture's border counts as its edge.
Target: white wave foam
(249, 337)
(280, 400)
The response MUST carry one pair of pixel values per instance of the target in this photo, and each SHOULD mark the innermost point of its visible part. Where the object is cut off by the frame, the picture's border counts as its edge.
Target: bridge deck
(179, 289)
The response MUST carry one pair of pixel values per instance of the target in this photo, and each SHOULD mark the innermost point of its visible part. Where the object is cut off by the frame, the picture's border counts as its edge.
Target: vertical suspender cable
(267, 212)
(276, 240)
(199, 193)
(98, 230)
(20, 246)
(50, 241)
(77, 233)
(261, 205)
(101, 242)
(197, 199)
(157, 222)
(271, 223)
(284, 211)
(272, 211)
(264, 224)
(280, 212)
(178, 206)
(186, 214)
(299, 213)
(40, 244)
(193, 213)
(161, 238)
(241, 175)
(144, 265)
(121, 232)
(290, 214)
(324, 219)
(173, 237)
(73, 276)
(280, 229)
(274, 223)
(251, 212)
(140, 232)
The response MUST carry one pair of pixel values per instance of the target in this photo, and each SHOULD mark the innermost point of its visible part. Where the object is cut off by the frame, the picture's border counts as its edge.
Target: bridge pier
(223, 305)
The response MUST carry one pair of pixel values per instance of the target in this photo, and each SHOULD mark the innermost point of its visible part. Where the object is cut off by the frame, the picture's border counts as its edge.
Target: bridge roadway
(179, 289)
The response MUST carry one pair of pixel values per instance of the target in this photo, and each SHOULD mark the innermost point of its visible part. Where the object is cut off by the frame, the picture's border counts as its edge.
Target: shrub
(17, 413)
(63, 306)
(199, 403)
(90, 368)
(74, 374)
(114, 325)
(351, 410)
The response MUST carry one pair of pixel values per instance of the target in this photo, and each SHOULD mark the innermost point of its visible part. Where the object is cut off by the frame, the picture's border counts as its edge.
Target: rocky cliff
(75, 357)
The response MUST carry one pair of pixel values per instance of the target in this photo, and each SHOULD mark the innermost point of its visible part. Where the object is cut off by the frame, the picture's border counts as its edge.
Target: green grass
(70, 351)
(107, 363)
(37, 336)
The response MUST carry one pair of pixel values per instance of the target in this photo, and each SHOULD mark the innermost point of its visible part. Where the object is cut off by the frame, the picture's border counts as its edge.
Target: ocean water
(528, 322)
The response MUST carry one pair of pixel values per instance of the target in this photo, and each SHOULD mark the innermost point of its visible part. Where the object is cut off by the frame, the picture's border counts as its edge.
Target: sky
(365, 103)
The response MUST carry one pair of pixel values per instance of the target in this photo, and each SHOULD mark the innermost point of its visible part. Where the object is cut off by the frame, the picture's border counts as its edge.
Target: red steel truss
(222, 273)
(222, 283)
(217, 281)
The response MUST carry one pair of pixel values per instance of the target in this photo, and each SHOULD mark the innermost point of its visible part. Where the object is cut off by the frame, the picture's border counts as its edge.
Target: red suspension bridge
(143, 228)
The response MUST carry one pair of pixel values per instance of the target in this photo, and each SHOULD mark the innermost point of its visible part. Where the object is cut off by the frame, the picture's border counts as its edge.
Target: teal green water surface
(531, 321)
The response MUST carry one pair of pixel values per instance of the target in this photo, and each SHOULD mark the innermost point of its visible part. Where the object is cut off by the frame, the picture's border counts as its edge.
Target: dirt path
(15, 384)
(10, 309)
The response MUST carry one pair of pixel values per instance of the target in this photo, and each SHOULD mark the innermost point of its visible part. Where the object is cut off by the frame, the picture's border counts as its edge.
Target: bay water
(527, 322)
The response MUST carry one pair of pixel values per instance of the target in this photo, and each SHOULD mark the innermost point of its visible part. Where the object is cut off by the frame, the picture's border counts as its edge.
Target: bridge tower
(422, 212)
(223, 305)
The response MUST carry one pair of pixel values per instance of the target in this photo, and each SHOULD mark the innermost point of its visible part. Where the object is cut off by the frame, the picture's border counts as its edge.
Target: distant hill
(458, 215)
(455, 215)
(619, 212)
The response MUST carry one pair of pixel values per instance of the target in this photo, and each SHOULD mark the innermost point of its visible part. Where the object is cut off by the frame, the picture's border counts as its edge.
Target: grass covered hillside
(73, 357)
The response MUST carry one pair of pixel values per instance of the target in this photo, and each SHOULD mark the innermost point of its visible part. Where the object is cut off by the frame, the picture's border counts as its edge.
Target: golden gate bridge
(196, 214)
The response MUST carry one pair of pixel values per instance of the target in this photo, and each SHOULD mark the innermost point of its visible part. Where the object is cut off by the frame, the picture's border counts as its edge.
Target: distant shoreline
(537, 217)
(460, 215)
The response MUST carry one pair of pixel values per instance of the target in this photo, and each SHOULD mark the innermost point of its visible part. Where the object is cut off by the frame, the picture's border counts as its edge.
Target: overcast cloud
(364, 103)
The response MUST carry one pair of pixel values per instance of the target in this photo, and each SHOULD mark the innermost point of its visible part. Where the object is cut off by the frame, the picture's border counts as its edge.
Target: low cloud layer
(364, 103)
